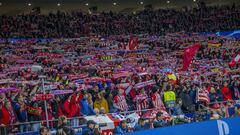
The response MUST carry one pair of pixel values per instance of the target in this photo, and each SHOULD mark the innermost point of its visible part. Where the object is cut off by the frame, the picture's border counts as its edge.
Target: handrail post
(45, 102)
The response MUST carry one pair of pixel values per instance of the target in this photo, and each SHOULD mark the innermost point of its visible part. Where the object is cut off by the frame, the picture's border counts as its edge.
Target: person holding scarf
(21, 112)
(86, 108)
(236, 90)
(227, 93)
(156, 99)
(120, 102)
(7, 116)
(101, 102)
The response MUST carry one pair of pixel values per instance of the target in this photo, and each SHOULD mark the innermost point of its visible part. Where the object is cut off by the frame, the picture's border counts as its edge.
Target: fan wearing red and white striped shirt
(157, 100)
(141, 101)
(120, 102)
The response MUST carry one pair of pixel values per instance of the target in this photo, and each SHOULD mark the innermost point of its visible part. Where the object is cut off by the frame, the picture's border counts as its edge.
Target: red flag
(234, 61)
(132, 44)
(189, 53)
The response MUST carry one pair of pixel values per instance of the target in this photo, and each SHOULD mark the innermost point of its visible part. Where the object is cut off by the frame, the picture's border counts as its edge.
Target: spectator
(92, 128)
(159, 121)
(34, 117)
(169, 98)
(141, 125)
(214, 95)
(86, 109)
(177, 109)
(44, 131)
(101, 102)
(120, 102)
(122, 128)
(236, 91)
(227, 93)
(187, 101)
(156, 99)
(19, 107)
(141, 101)
(64, 128)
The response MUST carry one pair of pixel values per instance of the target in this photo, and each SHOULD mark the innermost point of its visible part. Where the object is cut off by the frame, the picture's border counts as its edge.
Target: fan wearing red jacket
(7, 116)
(75, 108)
(227, 93)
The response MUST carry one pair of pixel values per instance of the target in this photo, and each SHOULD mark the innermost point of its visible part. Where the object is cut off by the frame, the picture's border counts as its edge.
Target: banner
(214, 44)
(43, 96)
(78, 76)
(122, 74)
(33, 111)
(50, 87)
(61, 92)
(144, 84)
(229, 126)
(4, 90)
(106, 57)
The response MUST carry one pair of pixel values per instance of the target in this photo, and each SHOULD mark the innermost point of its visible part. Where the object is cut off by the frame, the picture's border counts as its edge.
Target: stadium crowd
(96, 76)
(154, 22)
(167, 74)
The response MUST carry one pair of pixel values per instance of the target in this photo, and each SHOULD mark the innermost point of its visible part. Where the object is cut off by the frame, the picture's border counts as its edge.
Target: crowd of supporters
(97, 76)
(103, 92)
(155, 22)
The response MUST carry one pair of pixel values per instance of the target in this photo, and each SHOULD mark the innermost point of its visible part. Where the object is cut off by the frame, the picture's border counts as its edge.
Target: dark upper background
(12, 7)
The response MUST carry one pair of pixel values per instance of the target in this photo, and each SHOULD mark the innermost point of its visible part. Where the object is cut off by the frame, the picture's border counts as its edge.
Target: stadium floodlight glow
(29, 4)
(194, 0)
(168, 2)
(86, 4)
(141, 2)
(58, 4)
(114, 3)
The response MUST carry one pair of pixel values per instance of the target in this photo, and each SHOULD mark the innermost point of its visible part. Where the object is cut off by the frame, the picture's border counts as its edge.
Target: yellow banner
(106, 58)
(214, 44)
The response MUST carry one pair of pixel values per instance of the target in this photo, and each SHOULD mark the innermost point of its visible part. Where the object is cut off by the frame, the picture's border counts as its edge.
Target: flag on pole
(189, 53)
(214, 44)
(132, 44)
(234, 61)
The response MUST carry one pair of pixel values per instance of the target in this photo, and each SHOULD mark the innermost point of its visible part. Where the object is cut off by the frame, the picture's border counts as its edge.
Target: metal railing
(4, 130)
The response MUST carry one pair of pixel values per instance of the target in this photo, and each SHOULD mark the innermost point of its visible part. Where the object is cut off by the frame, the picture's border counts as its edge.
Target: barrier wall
(229, 126)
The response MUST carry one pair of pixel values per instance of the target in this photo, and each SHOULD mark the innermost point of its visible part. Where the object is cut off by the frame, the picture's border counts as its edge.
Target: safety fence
(107, 122)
